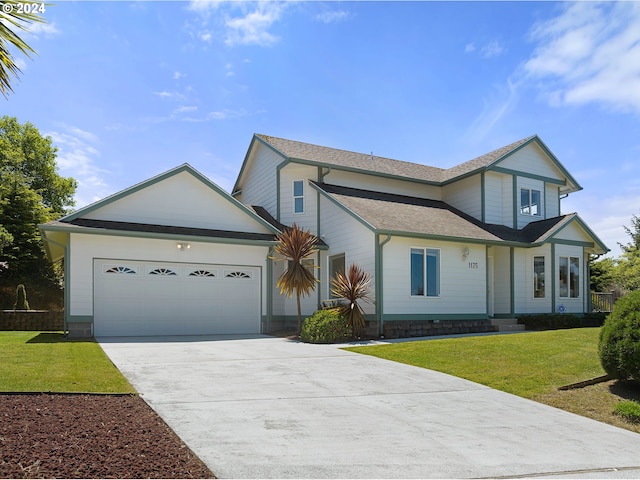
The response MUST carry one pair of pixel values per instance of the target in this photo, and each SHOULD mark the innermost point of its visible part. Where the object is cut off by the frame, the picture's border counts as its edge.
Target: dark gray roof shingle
(385, 166)
(418, 216)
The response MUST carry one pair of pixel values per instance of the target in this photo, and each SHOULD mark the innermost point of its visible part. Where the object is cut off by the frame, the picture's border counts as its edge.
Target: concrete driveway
(264, 407)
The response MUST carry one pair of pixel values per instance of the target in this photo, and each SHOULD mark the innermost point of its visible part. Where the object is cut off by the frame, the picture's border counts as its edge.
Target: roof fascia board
(255, 139)
(576, 218)
(157, 236)
(344, 208)
(546, 150)
(575, 243)
(444, 238)
(163, 176)
(516, 173)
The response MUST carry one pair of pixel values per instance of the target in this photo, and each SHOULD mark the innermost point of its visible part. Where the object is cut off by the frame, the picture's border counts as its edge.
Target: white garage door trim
(133, 298)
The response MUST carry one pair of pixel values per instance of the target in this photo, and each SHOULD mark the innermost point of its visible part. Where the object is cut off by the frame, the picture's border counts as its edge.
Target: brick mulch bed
(89, 436)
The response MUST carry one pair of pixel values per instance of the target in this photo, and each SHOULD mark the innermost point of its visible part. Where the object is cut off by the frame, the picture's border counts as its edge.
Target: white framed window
(425, 272)
(298, 196)
(538, 277)
(530, 202)
(569, 277)
(336, 264)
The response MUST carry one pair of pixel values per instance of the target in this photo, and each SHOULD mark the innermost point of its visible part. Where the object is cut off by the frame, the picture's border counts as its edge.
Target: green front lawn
(47, 362)
(527, 364)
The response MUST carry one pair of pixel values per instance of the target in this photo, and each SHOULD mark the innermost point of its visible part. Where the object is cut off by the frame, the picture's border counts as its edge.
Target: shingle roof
(411, 215)
(353, 160)
(381, 165)
(84, 223)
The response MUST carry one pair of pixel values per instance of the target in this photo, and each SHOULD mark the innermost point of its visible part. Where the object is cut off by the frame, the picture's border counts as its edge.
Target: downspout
(379, 281)
(322, 175)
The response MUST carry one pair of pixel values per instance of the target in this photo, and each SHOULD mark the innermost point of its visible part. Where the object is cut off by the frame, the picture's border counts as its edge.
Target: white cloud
(77, 158)
(47, 30)
(185, 109)
(500, 103)
(491, 49)
(252, 28)
(178, 75)
(171, 95)
(205, 36)
(589, 53)
(333, 16)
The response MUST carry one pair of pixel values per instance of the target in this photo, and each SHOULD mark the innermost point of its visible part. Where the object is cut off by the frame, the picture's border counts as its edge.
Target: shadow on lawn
(627, 389)
(56, 338)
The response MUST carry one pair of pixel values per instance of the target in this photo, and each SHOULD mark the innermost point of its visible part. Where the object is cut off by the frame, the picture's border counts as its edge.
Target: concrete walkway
(264, 407)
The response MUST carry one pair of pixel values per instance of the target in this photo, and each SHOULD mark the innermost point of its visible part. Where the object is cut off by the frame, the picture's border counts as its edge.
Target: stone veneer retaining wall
(424, 328)
(42, 320)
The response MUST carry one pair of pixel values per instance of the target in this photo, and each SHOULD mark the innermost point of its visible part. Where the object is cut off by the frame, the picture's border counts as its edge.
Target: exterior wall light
(182, 246)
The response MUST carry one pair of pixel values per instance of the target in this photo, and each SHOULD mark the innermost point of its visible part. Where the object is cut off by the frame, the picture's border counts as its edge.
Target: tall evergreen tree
(629, 262)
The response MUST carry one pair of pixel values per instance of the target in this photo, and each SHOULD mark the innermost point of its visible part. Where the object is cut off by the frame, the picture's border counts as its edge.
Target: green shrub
(21, 299)
(629, 410)
(619, 346)
(325, 326)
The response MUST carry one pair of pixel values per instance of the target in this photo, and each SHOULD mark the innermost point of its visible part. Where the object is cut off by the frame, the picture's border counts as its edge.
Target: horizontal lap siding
(382, 184)
(532, 159)
(465, 195)
(494, 201)
(525, 301)
(502, 279)
(259, 183)
(572, 305)
(462, 289)
(309, 219)
(345, 234)
(183, 201)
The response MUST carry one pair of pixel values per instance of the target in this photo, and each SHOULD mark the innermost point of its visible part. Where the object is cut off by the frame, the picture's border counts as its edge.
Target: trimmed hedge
(325, 326)
(556, 321)
(619, 346)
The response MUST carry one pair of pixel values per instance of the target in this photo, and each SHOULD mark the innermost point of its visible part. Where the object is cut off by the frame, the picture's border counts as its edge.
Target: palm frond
(352, 286)
(13, 18)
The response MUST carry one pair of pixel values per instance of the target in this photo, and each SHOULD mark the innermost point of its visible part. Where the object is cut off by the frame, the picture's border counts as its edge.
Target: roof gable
(501, 158)
(181, 197)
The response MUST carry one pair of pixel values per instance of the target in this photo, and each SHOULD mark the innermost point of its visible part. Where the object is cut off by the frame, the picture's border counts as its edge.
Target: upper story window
(298, 196)
(530, 202)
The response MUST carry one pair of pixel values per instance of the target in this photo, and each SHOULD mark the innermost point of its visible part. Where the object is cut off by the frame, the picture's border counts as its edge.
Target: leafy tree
(603, 273)
(295, 244)
(14, 16)
(352, 286)
(31, 193)
(629, 262)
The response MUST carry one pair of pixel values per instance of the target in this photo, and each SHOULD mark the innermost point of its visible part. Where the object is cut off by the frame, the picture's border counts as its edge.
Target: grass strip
(48, 362)
(527, 364)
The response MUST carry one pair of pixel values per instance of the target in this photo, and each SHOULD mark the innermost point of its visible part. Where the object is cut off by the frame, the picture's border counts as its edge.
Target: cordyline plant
(295, 244)
(352, 286)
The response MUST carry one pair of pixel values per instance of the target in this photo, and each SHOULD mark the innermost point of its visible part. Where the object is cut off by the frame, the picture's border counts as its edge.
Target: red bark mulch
(90, 436)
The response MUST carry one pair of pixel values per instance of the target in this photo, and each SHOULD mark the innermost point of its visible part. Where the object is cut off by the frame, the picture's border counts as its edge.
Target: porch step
(507, 324)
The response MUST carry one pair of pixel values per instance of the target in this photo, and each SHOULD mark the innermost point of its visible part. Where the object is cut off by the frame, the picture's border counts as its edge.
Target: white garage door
(144, 298)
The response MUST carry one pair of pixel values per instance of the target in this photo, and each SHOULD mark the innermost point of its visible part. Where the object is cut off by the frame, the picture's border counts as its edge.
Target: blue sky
(128, 90)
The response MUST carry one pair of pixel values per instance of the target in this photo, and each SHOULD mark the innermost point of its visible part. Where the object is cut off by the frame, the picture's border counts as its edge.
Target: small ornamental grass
(629, 410)
(325, 326)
